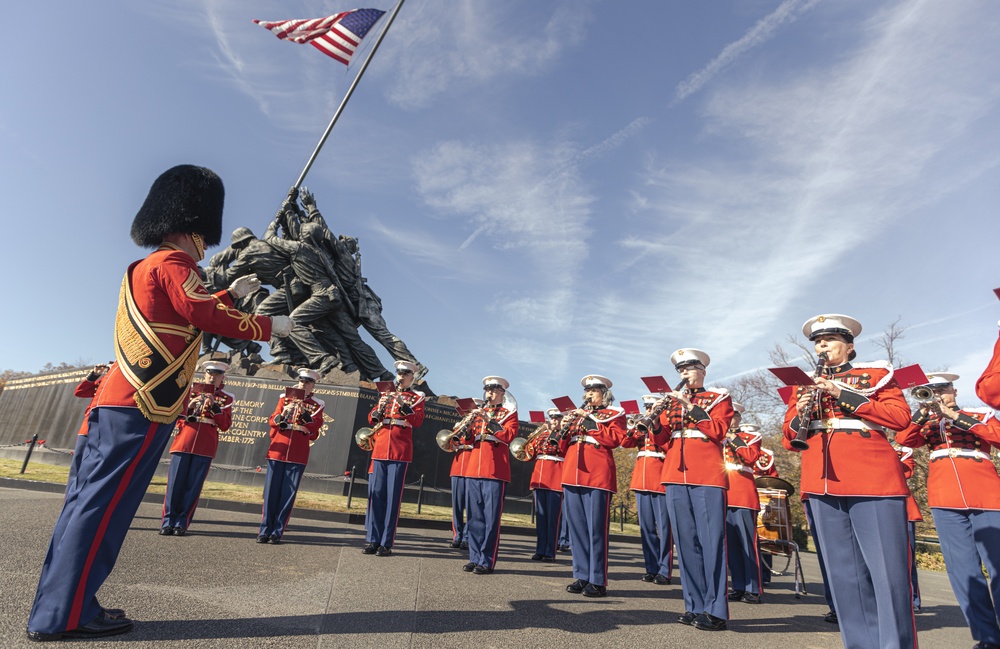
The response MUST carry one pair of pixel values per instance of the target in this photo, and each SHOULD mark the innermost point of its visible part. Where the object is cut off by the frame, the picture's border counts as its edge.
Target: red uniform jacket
(394, 439)
(489, 436)
(202, 437)
(648, 463)
(291, 444)
(462, 455)
(988, 385)
(960, 474)
(549, 460)
(764, 466)
(740, 462)
(588, 446)
(849, 453)
(694, 439)
(170, 294)
(89, 390)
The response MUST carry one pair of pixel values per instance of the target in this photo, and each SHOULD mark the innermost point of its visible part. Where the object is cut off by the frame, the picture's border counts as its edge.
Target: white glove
(244, 286)
(281, 325)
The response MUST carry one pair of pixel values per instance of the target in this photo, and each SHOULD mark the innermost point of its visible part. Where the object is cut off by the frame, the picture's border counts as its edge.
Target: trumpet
(203, 398)
(645, 424)
(519, 447)
(924, 394)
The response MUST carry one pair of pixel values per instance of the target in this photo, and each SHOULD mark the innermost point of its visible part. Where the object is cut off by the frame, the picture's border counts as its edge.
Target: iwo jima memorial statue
(313, 275)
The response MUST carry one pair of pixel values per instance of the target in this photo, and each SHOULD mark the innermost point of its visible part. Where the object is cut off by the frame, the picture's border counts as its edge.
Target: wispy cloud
(443, 46)
(786, 13)
(829, 159)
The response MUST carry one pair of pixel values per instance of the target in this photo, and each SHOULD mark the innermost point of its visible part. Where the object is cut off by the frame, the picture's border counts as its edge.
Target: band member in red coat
(854, 480)
(741, 452)
(651, 500)
(459, 503)
(162, 310)
(546, 484)
(487, 472)
(394, 417)
(693, 426)
(89, 388)
(294, 424)
(913, 516)
(963, 492)
(209, 410)
(589, 435)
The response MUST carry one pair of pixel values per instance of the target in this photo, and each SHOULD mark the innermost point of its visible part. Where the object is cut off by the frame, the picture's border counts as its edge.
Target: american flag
(337, 36)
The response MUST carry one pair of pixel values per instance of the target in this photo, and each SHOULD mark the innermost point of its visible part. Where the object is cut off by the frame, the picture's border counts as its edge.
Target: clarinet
(800, 443)
(645, 424)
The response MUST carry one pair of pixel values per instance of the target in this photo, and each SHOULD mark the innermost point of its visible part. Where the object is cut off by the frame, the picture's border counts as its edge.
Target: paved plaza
(215, 587)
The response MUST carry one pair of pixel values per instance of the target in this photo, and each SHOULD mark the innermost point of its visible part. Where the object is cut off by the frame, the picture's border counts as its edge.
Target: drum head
(767, 482)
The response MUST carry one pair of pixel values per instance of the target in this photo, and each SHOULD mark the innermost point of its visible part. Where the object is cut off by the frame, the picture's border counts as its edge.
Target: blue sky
(541, 189)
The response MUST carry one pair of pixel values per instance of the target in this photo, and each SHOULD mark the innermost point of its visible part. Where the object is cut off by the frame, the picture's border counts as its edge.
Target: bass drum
(774, 522)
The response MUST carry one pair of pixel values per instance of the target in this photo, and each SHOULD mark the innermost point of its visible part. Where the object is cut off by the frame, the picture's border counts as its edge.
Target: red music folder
(295, 393)
(657, 384)
(536, 416)
(996, 292)
(465, 406)
(565, 404)
(785, 392)
(910, 377)
(791, 375)
(385, 386)
(630, 407)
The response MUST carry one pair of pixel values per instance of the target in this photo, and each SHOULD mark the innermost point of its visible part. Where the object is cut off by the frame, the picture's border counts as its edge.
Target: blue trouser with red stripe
(698, 521)
(970, 540)
(385, 494)
(587, 513)
(564, 527)
(280, 488)
(115, 467)
(819, 554)
(458, 513)
(741, 549)
(485, 505)
(548, 512)
(654, 532)
(867, 555)
(187, 476)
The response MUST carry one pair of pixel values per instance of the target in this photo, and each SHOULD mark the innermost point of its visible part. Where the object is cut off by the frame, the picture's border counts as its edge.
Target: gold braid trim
(248, 322)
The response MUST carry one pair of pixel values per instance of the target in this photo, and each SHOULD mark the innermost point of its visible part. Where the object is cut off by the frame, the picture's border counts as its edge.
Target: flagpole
(350, 91)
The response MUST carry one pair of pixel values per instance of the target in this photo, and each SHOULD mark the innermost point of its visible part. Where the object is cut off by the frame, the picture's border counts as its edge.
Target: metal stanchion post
(420, 493)
(621, 516)
(350, 488)
(31, 447)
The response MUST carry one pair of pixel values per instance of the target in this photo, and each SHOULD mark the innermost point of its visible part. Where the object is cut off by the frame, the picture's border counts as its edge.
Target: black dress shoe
(688, 618)
(831, 617)
(536, 557)
(751, 598)
(262, 538)
(577, 587)
(563, 548)
(465, 545)
(593, 590)
(383, 551)
(660, 580)
(482, 570)
(371, 548)
(113, 613)
(166, 531)
(735, 595)
(274, 539)
(548, 559)
(985, 645)
(648, 577)
(454, 545)
(100, 627)
(708, 622)
(469, 567)
(179, 531)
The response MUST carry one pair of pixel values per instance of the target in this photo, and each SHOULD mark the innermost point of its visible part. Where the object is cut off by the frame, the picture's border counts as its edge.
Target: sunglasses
(215, 372)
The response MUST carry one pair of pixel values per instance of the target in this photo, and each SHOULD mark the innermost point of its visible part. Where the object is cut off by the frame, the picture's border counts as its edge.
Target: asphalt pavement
(216, 587)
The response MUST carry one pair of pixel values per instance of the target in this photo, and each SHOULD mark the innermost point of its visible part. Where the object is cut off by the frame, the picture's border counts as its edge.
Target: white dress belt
(583, 438)
(551, 458)
(730, 466)
(690, 434)
(662, 456)
(844, 424)
(396, 422)
(958, 452)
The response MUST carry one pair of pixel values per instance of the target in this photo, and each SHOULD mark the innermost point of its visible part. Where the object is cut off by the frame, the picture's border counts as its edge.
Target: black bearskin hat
(183, 200)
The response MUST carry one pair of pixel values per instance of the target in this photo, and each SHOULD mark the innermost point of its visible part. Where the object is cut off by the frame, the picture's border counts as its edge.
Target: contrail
(787, 12)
